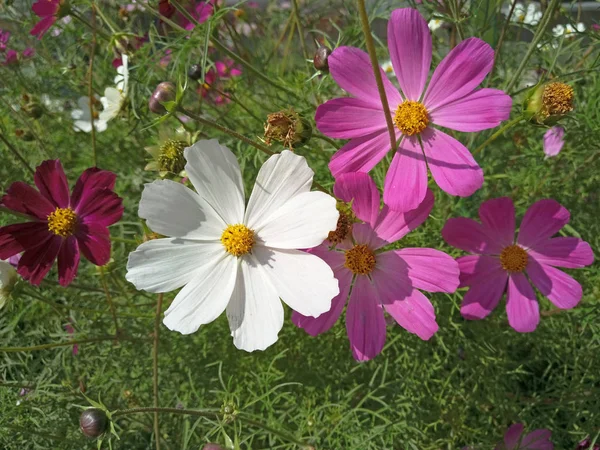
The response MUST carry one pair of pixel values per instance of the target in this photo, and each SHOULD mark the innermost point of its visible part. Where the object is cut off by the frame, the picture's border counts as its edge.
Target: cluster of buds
(549, 102)
(288, 128)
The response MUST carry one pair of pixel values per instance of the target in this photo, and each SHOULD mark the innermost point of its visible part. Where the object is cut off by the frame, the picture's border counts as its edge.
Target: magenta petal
(37, 261)
(351, 68)
(488, 283)
(479, 110)
(452, 166)
(459, 73)
(360, 189)
(42, 26)
(477, 268)
(512, 436)
(23, 198)
(409, 42)
(92, 178)
(68, 261)
(537, 440)
(568, 252)
(431, 270)
(470, 236)
(498, 216)
(19, 237)
(390, 278)
(521, 304)
(317, 325)
(51, 181)
(334, 259)
(365, 322)
(363, 234)
(43, 8)
(346, 118)
(393, 225)
(101, 206)
(360, 154)
(554, 141)
(406, 179)
(542, 220)
(415, 314)
(94, 243)
(560, 288)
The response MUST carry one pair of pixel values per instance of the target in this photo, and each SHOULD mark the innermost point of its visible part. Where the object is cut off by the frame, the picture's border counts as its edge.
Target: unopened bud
(195, 72)
(549, 102)
(8, 278)
(93, 422)
(288, 128)
(164, 92)
(320, 59)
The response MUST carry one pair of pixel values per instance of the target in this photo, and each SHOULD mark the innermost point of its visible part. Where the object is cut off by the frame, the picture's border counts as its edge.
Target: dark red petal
(22, 236)
(100, 206)
(23, 198)
(94, 243)
(92, 178)
(42, 26)
(37, 261)
(44, 8)
(68, 261)
(50, 179)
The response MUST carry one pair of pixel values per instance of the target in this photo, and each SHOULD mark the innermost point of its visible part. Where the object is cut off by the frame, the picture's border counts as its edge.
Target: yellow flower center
(171, 156)
(342, 230)
(62, 222)
(513, 258)
(238, 239)
(411, 117)
(360, 259)
(557, 99)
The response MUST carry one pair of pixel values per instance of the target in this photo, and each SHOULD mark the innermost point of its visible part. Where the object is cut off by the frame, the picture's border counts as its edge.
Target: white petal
(163, 265)
(302, 222)
(215, 173)
(82, 125)
(255, 312)
(303, 281)
(204, 298)
(174, 210)
(282, 177)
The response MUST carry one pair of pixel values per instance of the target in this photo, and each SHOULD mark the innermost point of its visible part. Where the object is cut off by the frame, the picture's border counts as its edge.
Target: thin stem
(62, 344)
(159, 302)
(497, 134)
(91, 88)
(17, 154)
(123, 240)
(28, 125)
(111, 305)
(102, 34)
(364, 19)
(501, 39)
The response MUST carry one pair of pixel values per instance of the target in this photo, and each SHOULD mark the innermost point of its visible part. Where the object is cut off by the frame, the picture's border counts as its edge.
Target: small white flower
(8, 278)
(228, 257)
(83, 116)
(115, 97)
(51, 104)
(529, 16)
(388, 68)
(569, 31)
(434, 24)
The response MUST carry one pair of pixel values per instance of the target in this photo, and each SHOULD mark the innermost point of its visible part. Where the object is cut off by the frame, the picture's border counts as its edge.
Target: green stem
(123, 240)
(17, 154)
(364, 19)
(497, 134)
(111, 305)
(501, 40)
(91, 87)
(159, 301)
(87, 24)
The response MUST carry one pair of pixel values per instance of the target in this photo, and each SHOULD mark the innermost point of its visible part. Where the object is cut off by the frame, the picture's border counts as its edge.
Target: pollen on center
(514, 258)
(411, 117)
(360, 259)
(238, 239)
(62, 222)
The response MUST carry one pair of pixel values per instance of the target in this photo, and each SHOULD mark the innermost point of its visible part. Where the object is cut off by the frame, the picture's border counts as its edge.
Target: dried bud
(25, 135)
(288, 128)
(212, 447)
(320, 59)
(549, 102)
(33, 109)
(171, 156)
(93, 422)
(164, 92)
(343, 228)
(195, 72)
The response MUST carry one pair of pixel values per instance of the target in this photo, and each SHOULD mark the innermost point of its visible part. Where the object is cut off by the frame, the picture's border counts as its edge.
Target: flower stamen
(514, 258)
(557, 99)
(360, 259)
(411, 117)
(62, 222)
(238, 239)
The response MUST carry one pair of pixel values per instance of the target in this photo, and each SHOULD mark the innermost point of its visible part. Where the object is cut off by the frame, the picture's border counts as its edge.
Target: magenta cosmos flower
(200, 11)
(450, 101)
(554, 140)
(62, 225)
(48, 11)
(536, 440)
(499, 263)
(379, 280)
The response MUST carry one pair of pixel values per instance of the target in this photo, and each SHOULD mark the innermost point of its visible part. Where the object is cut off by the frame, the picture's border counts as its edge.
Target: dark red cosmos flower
(48, 11)
(62, 225)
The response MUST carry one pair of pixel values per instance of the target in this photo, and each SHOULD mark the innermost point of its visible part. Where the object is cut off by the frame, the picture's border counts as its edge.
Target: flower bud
(585, 445)
(288, 128)
(164, 92)
(8, 278)
(195, 72)
(25, 135)
(93, 422)
(549, 102)
(33, 109)
(320, 59)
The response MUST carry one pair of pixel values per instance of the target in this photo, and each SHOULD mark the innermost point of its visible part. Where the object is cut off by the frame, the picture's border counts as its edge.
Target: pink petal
(363, 234)
(390, 278)
(19, 237)
(431, 270)
(94, 243)
(554, 141)
(452, 166)
(409, 43)
(479, 110)
(521, 304)
(101, 206)
(560, 288)
(37, 261)
(365, 323)
(498, 216)
(346, 118)
(393, 225)
(459, 73)
(542, 220)
(475, 268)
(68, 261)
(406, 179)
(334, 259)
(488, 282)
(512, 436)
(360, 189)
(537, 440)
(23, 198)
(568, 252)
(51, 181)
(92, 178)
(470, 236)
(351, 69)
(360, 154)
(315, 326)
(415, 314)
(42, 26)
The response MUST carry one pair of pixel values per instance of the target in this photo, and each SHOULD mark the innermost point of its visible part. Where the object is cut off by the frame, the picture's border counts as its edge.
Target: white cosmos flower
(83, 116)
(434, 24)
(232, 258)
(529, 15)
(569, 31)
(114, 97)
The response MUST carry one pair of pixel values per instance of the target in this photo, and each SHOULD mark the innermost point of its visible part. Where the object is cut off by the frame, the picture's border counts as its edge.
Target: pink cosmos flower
(69, 329)
(499, 263)
(228, 68)
(554, 141)
(11, 57)
(63, 224)
(586, 444)
(451, 100)
(201, 11)
(536, 440)
(48, 11)
(377, 280)
(4, 37)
